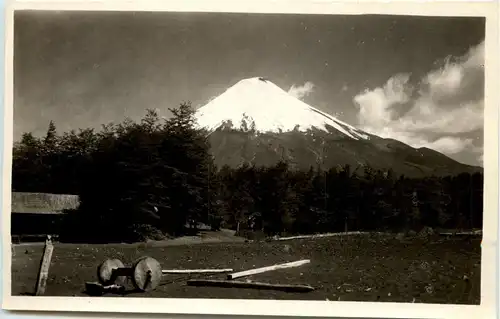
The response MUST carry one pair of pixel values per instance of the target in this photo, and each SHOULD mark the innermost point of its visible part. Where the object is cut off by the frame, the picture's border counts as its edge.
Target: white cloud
(480, 158)
(376, 106)
(449, 102)
(450, 144)
(445, 80)
(426, 116)
(475, 57)
(302, 90)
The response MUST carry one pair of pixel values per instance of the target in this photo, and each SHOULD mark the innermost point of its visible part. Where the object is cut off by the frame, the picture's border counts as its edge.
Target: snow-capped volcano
(283, 123)
(262, 105)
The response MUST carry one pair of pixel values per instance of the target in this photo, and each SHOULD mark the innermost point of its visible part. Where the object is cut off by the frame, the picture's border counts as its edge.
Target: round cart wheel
(105, 272)
(147, 274)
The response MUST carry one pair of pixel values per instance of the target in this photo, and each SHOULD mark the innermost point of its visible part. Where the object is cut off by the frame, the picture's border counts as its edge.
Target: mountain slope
(258, 123)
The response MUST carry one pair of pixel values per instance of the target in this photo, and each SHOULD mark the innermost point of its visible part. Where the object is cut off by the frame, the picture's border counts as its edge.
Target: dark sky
(83, 69)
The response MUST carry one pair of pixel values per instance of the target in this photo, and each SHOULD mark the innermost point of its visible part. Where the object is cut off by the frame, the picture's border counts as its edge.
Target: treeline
(286, 201)
(151, 179)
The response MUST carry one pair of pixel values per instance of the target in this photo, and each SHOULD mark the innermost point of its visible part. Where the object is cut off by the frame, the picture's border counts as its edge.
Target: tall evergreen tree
(51, 139)
(187, 149)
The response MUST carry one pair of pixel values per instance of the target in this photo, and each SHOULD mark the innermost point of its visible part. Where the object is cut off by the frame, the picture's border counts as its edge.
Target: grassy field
(350, 268)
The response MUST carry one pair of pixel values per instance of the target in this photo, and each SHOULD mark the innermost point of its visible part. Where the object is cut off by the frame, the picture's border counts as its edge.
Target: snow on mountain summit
(260, 103)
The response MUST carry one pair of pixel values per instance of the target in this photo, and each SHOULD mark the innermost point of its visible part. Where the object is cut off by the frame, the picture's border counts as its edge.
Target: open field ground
(347, 268)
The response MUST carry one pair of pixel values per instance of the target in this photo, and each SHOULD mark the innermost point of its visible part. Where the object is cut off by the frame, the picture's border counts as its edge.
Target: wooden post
(43, 274)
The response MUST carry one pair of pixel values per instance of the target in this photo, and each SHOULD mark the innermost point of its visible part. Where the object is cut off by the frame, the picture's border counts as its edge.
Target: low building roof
(43, 203)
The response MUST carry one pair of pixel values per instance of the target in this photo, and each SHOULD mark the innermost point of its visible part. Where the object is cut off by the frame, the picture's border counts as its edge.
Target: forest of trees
(149, 179)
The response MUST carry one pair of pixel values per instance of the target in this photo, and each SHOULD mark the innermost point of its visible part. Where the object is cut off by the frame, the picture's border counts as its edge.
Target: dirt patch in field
(444, 270)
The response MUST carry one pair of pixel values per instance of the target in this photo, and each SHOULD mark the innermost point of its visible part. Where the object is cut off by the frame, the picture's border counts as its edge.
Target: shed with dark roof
(35, 215)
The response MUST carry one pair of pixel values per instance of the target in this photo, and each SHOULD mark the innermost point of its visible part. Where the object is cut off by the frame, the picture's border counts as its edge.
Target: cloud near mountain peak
(301, 91)
(446, 105)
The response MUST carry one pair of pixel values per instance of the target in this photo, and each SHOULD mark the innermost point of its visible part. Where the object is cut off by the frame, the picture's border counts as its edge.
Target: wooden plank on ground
(268, 268)
(43, 273)
(462, 233)
(245, 284)
(323, 235)
(195, 271)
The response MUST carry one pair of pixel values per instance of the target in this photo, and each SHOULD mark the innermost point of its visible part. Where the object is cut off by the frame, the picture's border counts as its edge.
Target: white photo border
(295, 308)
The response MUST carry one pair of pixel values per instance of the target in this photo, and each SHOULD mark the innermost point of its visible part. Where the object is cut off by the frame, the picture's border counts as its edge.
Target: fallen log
(195, 271)
(268, 268)
(323, 235)
(250, 285)
(463, 233)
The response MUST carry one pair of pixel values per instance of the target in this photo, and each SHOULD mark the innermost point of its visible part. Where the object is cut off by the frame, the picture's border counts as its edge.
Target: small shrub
(426, 232)
(400, 236)
(216, 223)
(145, 232)
(411, 233)
(251, 235)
